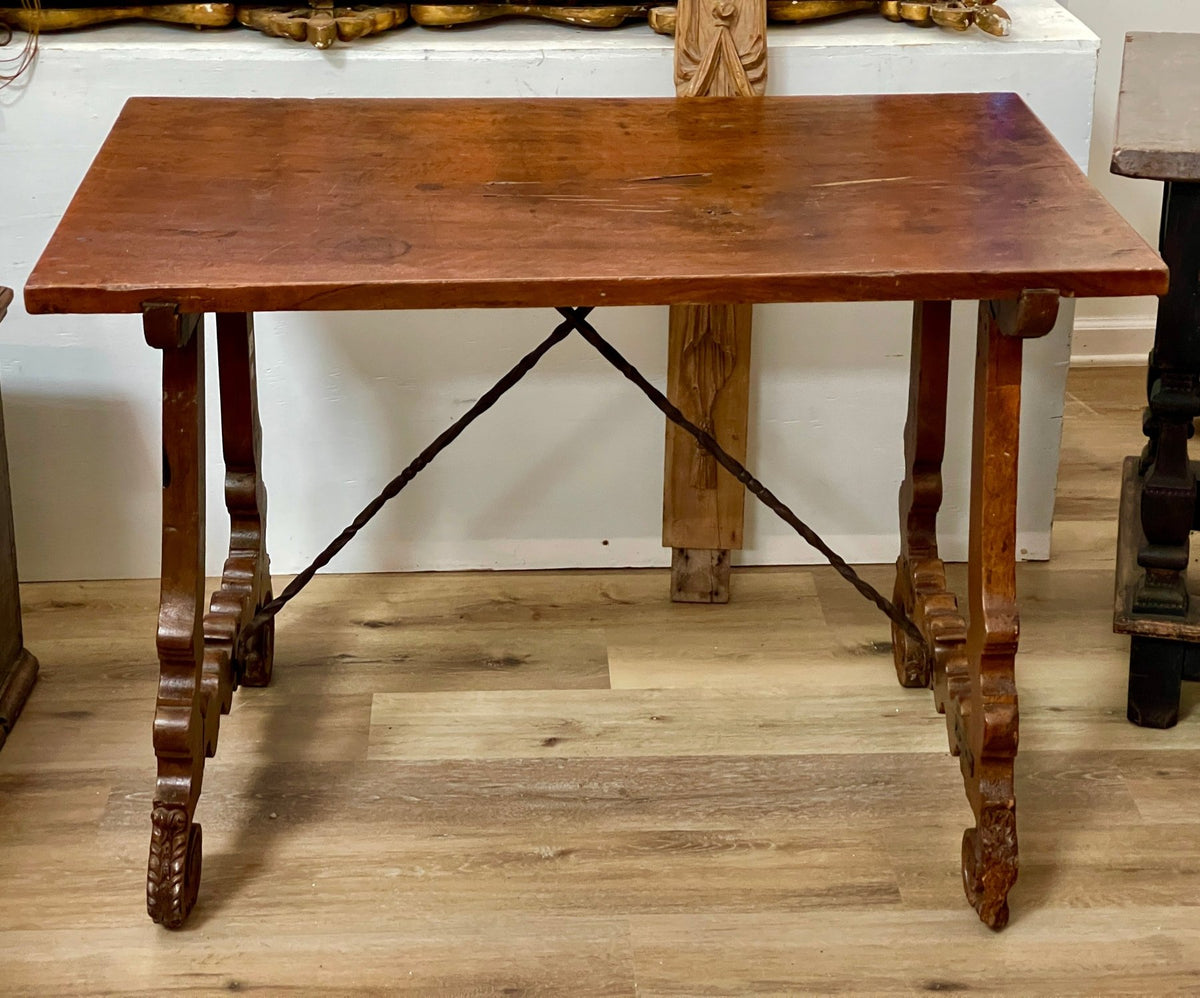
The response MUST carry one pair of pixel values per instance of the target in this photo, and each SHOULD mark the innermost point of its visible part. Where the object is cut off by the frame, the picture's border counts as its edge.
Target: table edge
(770, 289)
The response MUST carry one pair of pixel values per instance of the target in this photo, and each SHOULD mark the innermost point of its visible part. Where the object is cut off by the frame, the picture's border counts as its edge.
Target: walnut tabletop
(245, 205)
(1158, 117)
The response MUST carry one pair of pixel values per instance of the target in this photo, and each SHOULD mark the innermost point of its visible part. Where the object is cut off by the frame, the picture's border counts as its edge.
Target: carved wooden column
(720, 51)
(18, 669)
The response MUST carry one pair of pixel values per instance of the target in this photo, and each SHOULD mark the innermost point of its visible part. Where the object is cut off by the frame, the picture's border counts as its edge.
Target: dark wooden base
(1157, 668)
(1164, 649)
(1130, 575)
(19, 675)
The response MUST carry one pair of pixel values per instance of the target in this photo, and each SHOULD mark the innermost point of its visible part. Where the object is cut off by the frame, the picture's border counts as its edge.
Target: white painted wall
(568, 470)
(1122, 329)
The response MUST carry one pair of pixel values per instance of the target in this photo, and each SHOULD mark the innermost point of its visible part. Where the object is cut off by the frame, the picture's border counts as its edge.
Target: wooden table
(18, 669)
(1158, 138)
(503, 203)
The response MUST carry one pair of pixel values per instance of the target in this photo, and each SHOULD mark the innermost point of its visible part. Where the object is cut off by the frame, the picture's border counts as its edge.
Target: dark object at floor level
(18, 669)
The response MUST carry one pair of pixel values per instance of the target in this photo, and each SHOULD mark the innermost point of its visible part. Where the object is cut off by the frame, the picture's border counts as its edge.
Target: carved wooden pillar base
(201, 659)
(971, 668)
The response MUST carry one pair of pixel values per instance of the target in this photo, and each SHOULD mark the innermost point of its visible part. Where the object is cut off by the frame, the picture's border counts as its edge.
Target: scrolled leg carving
(173, 877)
(186, 709)
(202, 660)
(232, 655)
(970, 668)
(989, 731)
(921, 587)
(923, 592)
(989, 865)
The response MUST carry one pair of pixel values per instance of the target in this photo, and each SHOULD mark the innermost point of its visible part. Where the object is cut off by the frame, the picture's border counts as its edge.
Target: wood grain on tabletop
(440, 793)
(426, 204)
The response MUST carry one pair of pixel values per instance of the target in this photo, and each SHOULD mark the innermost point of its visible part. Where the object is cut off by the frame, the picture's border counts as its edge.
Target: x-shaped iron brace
(575, 320)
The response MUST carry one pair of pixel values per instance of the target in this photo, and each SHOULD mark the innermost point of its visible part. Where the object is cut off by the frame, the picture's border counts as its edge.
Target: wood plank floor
(560, 784)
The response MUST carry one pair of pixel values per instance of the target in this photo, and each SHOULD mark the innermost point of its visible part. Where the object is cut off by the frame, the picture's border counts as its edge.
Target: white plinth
(566, 471)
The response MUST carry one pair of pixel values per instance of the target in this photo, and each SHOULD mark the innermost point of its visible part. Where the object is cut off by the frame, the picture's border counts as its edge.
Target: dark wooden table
(503, 203)
(18, 669)
(1158, 138)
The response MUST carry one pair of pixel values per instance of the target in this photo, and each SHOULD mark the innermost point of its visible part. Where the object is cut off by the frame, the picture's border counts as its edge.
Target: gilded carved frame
(323, 22)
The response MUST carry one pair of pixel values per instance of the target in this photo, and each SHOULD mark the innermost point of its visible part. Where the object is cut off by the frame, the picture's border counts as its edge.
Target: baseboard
(1112, 342)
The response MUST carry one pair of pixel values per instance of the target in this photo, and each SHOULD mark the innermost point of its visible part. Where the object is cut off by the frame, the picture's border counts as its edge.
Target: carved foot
(173, 877)
(989, 864)
(913, 661)
(258, 651)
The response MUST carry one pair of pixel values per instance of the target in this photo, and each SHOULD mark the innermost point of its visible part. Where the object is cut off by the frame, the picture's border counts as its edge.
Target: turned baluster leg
(230, 655)
(921, 588)
(173, 876)
(989, 713)
(1170, 503)
(1173, 393)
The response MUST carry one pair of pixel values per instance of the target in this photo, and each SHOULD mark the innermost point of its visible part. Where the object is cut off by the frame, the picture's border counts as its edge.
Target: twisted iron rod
(575, 320)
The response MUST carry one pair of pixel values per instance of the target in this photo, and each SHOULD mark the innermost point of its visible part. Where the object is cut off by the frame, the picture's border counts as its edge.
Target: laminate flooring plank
(496, 954)
(1146, 951)
(633, 723)
(1164, 787)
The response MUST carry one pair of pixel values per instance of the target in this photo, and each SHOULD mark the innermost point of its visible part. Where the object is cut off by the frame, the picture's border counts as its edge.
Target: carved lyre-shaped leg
(720, 51)
(988, 729)
(180, 713)
(921, 588)
(231, 656)
(971, 668)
